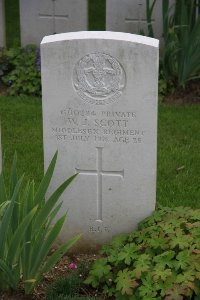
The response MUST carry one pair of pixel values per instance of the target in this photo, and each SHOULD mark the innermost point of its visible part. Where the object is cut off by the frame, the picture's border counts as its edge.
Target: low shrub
(20, 70)
(181, 51)
(161, 260)
(26, 230)
(4, 64)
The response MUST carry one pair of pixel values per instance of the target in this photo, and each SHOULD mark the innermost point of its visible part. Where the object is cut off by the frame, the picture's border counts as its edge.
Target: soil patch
(61, 269)
(189, 95)
(3, 89)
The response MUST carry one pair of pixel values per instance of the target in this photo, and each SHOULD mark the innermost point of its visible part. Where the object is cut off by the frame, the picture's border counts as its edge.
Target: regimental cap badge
(98, 79)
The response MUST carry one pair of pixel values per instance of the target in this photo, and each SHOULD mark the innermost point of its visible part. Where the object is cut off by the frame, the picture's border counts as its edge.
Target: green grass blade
(27, 206)
(13, 174)
(32, 251)
(55, 257)
(7, 270)
(40, 194)
(3, 206)
(7, 218)
(3, 196)
(50, 203)
(41, 254)
(54, 213)
(15, 242)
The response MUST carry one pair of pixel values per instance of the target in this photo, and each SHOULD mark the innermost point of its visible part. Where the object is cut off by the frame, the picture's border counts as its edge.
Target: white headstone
(130, 16)
(39, 18)
(100, 112)
(2, 24)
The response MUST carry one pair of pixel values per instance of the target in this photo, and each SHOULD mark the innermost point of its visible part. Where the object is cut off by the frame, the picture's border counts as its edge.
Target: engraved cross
(139, 20)
(99, 172)
(53, 16)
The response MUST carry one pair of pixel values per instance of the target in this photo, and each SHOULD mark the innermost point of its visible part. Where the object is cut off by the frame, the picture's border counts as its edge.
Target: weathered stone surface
(100, 113)
(2, 24)
(40, 18)
(130, 16)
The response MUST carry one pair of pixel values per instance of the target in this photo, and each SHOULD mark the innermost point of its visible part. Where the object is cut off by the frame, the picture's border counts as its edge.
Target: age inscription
(98, 126)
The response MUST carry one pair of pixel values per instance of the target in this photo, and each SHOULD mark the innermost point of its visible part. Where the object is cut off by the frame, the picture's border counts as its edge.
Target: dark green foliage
(62, 297)
(83, 268)
(26, 230)
(12, 23)
(161, 260)
(4, 65)
(68, 285)
(23, 71)
(181, 51)
(97, 14)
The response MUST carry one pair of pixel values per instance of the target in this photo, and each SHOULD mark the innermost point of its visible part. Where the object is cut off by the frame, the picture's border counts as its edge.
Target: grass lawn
(178, 147)
(21, 122)
(179, 156)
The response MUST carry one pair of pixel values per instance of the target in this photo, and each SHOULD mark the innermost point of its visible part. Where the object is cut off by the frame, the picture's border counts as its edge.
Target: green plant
(149, 11)
(26, 230)
(164, 87)
(62, 297)
(68, 285)
(24, 76)
(4, 65)
(181, 32)
(161, 260)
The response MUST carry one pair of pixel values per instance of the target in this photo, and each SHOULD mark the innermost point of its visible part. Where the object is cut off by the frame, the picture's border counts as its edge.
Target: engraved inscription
(98, 79)
(98, 229)
(99, 172)
(98, 126)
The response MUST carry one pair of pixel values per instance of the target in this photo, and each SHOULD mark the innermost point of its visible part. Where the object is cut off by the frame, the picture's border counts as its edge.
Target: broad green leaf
(147, 288)
(161, 274)
(187, 276)
(100, 268)
(129, 253)
(165, 259)
(125, 282)
(142, 264)
(181, 240)
(183, 260)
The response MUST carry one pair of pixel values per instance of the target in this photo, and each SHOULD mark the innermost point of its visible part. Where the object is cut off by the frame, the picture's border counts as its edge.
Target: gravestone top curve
(110, 35)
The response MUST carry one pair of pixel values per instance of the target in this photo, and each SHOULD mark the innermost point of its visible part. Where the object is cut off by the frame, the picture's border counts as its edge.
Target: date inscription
(98, 126)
